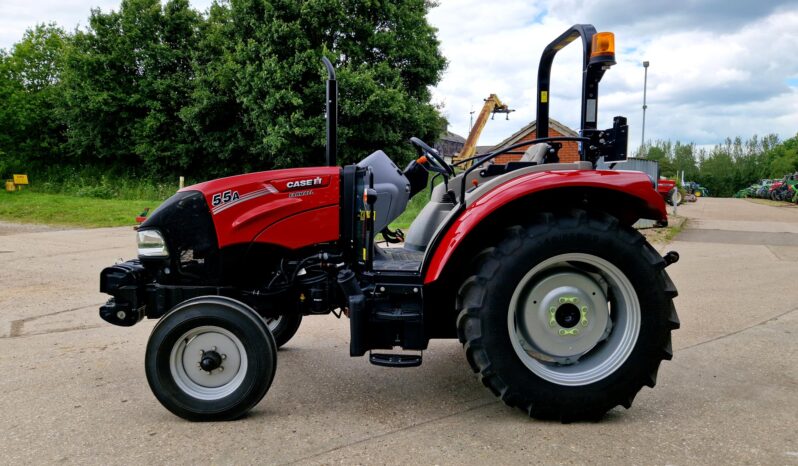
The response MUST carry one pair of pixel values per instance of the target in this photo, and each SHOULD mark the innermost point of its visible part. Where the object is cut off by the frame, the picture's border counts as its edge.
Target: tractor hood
(291, 208)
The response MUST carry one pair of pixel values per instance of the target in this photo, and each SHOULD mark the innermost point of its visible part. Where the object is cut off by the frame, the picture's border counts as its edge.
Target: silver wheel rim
(273, 322)
(574, 319)
(187, 352)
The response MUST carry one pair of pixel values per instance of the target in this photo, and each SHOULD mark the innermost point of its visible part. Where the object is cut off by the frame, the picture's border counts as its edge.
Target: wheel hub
(207, 360)
(553, 341)
(563, 316)
(568, 315)
(211, 360)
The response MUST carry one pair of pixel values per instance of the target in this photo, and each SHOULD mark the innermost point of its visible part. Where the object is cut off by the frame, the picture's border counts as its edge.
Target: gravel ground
(74, 389)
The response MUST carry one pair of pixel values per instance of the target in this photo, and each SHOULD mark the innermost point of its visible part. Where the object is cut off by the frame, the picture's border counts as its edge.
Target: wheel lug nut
(224, 356)
(213, 348)
(221, 368)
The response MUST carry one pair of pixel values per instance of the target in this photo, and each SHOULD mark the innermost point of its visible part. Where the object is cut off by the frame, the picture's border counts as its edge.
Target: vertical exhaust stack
(332, 114)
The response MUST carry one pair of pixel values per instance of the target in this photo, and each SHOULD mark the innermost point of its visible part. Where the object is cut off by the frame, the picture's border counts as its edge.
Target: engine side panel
(636, 184)
(252, 207)
(304, 229)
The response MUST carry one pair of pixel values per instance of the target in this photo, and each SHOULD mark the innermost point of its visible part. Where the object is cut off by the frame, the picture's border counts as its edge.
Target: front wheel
(568, 317)
(284, 327)
(210, 359)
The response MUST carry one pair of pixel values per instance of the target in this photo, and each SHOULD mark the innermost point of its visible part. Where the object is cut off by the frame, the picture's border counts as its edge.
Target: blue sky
(718, 68)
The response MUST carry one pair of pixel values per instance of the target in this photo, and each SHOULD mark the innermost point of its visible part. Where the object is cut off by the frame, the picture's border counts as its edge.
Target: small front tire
(210, 358)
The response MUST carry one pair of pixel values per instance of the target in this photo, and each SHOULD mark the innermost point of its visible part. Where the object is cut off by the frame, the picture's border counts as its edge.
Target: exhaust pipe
(332, 113)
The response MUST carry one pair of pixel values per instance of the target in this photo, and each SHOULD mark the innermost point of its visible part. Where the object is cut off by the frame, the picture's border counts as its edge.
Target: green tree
(215, 116)
(660, 152)
(265, 65)
(783, 158)
(684, 160)
(717, 172)
(31, 127)
(128, 77)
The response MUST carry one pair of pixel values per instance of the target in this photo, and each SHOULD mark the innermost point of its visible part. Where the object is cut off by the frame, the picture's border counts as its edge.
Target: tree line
(157, 89)
(154, 89)
(727, 167)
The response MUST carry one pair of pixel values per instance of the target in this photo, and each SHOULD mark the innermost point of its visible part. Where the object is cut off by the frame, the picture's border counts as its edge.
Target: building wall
(448, 148)
(568, 153)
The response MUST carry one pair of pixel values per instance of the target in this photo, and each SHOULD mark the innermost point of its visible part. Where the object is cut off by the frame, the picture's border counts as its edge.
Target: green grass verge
(61, 209)
(769, 202)
(413, 208)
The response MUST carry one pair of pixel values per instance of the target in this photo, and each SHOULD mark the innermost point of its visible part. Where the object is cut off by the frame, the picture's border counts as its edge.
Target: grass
(88, 197)
(413, 208)
(769, 202)
(665, 235)
(70, 210)
(676, 227)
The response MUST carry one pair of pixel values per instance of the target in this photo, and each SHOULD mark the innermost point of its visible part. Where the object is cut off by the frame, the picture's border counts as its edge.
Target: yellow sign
(20, 179)
(544, 97)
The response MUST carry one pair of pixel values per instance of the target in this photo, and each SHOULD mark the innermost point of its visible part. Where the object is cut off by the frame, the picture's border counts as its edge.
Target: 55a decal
(224, 197)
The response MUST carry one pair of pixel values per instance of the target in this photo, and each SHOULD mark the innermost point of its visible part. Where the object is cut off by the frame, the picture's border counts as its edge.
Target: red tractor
(562, 308)
(669, 192)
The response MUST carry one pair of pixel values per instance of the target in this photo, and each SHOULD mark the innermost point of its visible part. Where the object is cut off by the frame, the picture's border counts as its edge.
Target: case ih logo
(304, 183)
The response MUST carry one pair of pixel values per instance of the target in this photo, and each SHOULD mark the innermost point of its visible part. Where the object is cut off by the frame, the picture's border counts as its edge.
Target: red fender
(635, 184)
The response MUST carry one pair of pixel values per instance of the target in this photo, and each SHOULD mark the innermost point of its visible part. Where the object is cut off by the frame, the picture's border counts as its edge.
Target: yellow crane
(492, 106)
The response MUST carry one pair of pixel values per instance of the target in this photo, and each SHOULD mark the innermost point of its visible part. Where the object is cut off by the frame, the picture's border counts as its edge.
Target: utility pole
(471, 122)
(645, 85)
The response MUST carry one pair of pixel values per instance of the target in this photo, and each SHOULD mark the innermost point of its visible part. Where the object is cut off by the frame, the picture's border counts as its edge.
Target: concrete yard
(74, 390)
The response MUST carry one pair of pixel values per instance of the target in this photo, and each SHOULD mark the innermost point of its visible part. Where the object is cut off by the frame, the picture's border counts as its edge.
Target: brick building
(568, 153)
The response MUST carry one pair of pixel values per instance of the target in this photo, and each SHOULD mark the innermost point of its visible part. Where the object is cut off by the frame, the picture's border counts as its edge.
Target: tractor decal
(227, 200)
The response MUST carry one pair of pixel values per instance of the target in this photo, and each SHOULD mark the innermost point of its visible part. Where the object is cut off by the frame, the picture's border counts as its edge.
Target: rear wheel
(210, 359)
(674, 197)
(284, 327)
(568, 317)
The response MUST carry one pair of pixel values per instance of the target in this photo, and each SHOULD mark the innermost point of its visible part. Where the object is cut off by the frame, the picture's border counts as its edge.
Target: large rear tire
(210, 358)
(568, 317)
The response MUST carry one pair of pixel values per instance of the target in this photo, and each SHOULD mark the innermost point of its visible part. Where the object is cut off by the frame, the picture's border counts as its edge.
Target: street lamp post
(645, 85)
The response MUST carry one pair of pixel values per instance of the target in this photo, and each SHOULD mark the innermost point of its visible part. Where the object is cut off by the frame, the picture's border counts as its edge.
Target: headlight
(151, 244)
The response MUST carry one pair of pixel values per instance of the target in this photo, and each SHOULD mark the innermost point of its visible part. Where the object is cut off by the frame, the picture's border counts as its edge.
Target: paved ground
(74, 391)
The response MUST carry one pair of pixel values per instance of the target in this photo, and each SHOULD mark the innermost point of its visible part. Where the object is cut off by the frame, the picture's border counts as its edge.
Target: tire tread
(473, 293)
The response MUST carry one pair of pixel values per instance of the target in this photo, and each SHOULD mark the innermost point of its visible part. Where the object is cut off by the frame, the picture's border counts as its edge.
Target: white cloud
(717, 69)
(18, 15)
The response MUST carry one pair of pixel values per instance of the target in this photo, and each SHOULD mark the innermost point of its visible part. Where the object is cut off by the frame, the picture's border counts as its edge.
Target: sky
(718, 68)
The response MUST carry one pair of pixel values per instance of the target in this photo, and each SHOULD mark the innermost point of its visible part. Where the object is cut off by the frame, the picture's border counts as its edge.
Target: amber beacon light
(603, 47)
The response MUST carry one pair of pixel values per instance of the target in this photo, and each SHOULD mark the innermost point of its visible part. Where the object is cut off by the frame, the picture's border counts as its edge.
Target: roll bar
(593, 69)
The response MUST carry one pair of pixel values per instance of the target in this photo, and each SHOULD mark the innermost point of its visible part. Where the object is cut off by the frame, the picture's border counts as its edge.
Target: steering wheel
(437, 164)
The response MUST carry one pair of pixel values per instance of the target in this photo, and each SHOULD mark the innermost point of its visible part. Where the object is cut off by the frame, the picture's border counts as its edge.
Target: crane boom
(492, 106)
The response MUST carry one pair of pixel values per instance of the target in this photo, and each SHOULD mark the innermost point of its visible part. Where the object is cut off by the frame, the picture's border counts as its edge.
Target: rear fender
(629, 196)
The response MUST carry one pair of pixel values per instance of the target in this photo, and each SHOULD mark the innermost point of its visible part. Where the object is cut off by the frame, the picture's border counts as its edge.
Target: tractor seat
(397, 259)
(536, 153)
